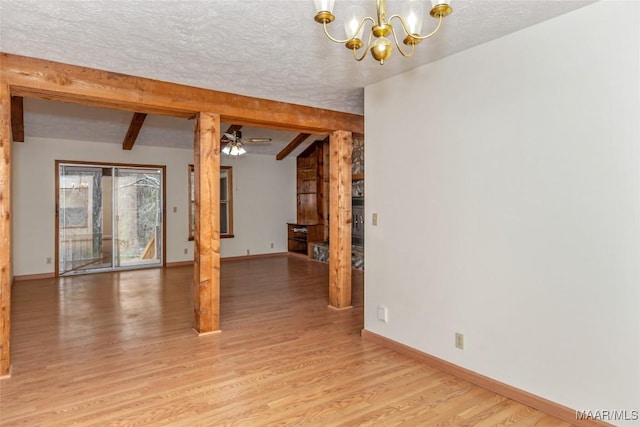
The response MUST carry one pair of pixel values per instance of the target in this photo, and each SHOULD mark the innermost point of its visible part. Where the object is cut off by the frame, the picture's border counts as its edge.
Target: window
(226, 211)
(226, 202)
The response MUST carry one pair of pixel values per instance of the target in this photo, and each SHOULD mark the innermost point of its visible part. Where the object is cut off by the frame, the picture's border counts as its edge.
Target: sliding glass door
(109, 217)
(138, 216)
(84, 243)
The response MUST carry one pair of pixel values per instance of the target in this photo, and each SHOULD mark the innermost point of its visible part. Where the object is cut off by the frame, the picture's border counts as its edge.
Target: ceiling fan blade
(229, 136)
(256, 139)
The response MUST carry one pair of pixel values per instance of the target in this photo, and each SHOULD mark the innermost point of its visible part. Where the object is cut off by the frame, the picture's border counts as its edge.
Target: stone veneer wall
(320, 252)
(357, 158)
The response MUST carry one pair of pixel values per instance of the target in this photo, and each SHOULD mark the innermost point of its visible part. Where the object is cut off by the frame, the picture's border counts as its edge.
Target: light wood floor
(118, 349)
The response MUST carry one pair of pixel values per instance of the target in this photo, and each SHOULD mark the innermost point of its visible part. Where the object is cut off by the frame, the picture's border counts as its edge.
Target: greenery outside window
(226, 202)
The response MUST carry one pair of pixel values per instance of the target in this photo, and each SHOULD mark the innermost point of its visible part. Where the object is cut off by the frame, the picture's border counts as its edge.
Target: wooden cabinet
(312, 184)
(299, 236)
(307, 189)
(312, 188)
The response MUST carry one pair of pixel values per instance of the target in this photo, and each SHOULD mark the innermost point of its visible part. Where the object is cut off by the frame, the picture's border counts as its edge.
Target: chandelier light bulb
(324, 5)
(352, 22)
(413, 12)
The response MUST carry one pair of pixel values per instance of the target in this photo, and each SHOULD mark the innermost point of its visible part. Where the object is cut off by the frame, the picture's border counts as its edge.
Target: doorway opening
(108, 217)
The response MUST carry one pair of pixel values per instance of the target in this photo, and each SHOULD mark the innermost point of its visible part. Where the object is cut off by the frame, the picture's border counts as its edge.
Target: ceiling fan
(235, 143)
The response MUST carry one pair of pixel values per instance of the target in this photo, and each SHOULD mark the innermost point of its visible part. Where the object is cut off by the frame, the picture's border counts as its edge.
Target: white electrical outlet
(272, 245)
(383, 313)
(49, 260)
(186, 251)
(248, 252)
(175, 209)
(459, 341)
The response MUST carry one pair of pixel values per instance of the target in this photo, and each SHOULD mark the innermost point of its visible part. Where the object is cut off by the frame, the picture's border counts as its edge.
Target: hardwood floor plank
(118, 349)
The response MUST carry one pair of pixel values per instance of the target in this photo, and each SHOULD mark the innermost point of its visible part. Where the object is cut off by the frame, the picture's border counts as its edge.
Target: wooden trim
(204, 334)
(349, 307)
(302, 255)
(292, 145)
(39, 78)
(191, 171)
(230, 235)
(164, 215)
(513, 393)
(17, 118)
(340, 146)
(229, 170)
(178, 264)
(206, 276)
(108, 164)
(56, 224)
(5, 229)
(26, 277)
(246, 257)
(134, 130)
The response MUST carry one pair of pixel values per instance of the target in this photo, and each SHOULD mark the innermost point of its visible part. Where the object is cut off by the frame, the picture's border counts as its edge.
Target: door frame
(109, 164)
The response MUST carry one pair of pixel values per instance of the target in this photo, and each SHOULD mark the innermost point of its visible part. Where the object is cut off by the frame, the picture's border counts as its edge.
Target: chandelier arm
(402, 52)
(366, 50)
(402, 24)
(359, 58)
(326, 31)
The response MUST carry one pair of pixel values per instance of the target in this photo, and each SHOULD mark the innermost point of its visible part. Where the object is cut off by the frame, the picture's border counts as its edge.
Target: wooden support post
(206, 275)
(5, 229)
(340, 146)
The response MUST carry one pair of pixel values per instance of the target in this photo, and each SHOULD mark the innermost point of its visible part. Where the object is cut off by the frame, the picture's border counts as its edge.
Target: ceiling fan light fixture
(234, 149)
(235, 142)
(409, 23)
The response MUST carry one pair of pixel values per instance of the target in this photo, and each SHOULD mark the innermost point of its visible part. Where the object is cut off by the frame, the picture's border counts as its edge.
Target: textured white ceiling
(263, 48)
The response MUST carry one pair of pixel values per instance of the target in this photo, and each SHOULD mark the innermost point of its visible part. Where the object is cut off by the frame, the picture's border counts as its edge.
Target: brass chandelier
(410, 20)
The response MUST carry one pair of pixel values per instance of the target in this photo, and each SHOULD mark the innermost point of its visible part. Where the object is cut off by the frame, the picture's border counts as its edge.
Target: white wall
(264, 199)
(258, 219)
(512, 212)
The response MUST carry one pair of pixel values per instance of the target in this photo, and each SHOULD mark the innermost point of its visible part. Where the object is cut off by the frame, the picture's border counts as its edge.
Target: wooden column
(5, 229)
(206, 275)
(340, 146)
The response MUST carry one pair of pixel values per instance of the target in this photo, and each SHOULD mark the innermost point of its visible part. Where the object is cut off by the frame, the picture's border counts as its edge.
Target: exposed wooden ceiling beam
(292, 145)
(134, 130)
(55, 81)
(311, 148)
(17, 118)
(232, 130)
